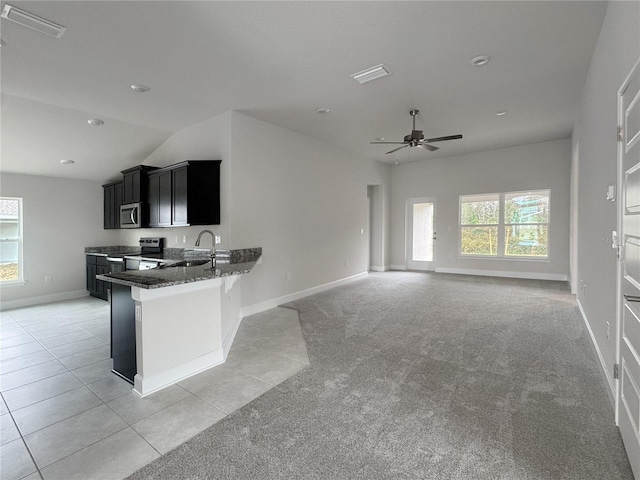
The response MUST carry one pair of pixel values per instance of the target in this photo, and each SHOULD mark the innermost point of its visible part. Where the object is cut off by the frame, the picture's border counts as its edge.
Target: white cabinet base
(179, 330)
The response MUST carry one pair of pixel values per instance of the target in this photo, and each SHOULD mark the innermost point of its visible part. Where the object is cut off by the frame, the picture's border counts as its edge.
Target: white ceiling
(279, 62)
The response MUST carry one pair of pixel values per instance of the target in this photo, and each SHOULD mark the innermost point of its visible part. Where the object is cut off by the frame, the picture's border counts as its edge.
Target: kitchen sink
(188, 263)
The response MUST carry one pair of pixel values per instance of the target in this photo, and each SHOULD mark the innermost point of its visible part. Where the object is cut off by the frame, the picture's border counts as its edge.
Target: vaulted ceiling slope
(280, 62)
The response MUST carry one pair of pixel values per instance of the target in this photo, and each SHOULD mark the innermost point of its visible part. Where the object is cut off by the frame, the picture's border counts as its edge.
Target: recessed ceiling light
(480, 60)
(396, 163)
(379, 139)
(32, 21)
(140, 88)
(67, 162)
(323, 110)
(371, 74)
(501, 113)
(95, 122)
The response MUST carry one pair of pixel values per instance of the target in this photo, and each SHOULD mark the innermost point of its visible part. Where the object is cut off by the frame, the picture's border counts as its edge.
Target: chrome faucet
(213, 246)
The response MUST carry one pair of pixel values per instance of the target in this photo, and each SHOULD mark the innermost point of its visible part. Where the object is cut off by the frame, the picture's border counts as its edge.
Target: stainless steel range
(150, 248)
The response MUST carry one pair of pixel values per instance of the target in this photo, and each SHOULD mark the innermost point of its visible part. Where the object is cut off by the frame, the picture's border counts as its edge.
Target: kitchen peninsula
(186, 314)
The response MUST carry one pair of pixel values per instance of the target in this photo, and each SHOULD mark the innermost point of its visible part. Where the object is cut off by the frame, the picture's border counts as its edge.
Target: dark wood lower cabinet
(97, 265)
(123, 332)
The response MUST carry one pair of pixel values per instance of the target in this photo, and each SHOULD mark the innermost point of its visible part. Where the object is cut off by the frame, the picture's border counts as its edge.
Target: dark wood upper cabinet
(187, 193)
(112, 201)
(136, 184)
(164, 199)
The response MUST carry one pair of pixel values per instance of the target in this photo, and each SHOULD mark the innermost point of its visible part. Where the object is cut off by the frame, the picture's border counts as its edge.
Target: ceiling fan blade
(431, 148)
(442, 139)
(396, 149)
(388, 143)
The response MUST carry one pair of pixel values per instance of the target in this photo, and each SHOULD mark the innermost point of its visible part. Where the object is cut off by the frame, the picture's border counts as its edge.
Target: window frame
(478, 225)
(502, 227)
(20, 240)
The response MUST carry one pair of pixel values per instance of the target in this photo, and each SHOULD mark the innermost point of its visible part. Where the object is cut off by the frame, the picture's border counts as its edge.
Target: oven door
(130, 216)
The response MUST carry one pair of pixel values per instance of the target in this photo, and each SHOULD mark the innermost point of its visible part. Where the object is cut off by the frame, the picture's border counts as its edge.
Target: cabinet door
(109, 206)
(127, 189)
(91, 277)
(135, 188)
(164, 190)
(131, 192)
(118, 196)
(101, 286)
(179, 198)
(154, 200)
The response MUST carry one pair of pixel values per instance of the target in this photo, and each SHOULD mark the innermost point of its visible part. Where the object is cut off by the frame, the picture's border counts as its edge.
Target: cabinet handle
(631, 298)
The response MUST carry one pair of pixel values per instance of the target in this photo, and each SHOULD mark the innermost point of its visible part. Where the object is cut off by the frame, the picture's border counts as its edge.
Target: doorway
(421, 233)
(375, 255)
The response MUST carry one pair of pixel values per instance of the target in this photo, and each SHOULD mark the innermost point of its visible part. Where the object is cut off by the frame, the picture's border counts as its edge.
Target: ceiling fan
(416, 138)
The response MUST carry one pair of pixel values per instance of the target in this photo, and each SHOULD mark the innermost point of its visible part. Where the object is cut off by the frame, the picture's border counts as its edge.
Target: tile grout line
(24, 442)
(84, 385)
(104, 402)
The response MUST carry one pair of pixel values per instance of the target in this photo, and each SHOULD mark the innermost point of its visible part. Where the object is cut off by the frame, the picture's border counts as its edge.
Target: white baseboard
(374, 268)
(608, 377)
(149, 384)
(228, 339)
(398, 267)
(54, 297)
(274, 302)
(506, 274)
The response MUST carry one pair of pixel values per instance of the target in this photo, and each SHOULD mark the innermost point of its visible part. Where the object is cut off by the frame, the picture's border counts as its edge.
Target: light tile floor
(64, 415)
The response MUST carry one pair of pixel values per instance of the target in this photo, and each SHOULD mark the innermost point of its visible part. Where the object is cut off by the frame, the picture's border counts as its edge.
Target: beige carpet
(424, 376)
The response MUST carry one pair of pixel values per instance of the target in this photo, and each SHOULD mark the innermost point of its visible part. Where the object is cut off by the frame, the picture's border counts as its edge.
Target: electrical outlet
(362, 231)
(176, 239)
(184, 239)
(288, 275)
(218, 240)
(47, 278)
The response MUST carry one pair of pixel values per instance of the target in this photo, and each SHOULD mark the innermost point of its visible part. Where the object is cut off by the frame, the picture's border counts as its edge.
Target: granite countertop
(229, 262)
(111, 250)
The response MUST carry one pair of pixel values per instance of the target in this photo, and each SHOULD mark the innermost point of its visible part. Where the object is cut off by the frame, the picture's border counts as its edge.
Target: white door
(421, 233)
(628, 396)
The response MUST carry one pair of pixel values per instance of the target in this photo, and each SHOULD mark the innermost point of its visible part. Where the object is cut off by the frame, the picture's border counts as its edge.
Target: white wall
(61, 217)
(304, 202)
(617, 51)
(529, 167)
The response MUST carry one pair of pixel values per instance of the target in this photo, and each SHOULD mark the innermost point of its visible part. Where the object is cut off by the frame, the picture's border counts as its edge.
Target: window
(10, 240)
(479, 221)
(526, 221)
(505, 225)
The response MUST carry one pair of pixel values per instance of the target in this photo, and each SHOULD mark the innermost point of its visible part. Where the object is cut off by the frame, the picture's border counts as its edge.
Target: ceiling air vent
(32, 21)
(371, 74)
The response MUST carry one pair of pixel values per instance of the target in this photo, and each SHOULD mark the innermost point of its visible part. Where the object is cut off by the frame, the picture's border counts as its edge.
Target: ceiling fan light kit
(416, 138)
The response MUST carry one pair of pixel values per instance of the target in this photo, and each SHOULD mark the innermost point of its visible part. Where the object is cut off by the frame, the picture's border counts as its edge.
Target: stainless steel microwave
(131, 215)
